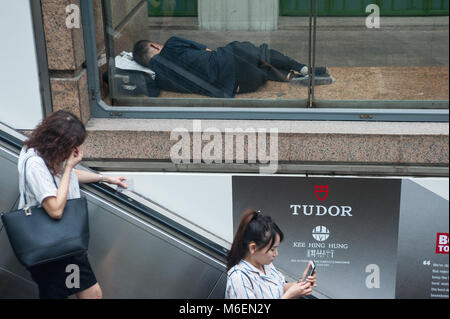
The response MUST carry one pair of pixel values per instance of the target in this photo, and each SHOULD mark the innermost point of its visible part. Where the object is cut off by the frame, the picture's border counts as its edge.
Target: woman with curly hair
(51, 154)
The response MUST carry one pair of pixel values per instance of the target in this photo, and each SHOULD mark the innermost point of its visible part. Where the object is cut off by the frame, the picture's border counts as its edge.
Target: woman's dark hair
(142, 52)
(254, 227)
(56, 137)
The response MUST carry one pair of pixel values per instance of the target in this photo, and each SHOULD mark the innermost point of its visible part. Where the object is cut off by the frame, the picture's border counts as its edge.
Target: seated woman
(251, 274)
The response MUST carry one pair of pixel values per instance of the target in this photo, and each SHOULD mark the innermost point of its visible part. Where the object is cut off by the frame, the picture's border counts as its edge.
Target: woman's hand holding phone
(297, 290)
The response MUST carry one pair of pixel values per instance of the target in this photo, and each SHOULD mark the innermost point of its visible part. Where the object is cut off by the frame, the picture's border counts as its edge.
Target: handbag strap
(25, 184)
(25, 178)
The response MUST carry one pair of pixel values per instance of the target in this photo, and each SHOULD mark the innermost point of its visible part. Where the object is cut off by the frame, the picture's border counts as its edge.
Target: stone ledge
(311, 127)
(314, 142)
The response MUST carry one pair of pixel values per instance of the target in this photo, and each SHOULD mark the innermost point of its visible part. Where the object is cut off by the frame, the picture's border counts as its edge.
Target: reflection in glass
(226, 52)
(384, 50)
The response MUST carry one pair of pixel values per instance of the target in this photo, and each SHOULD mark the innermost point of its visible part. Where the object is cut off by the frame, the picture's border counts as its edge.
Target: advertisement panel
(422, 270)
(360, 232)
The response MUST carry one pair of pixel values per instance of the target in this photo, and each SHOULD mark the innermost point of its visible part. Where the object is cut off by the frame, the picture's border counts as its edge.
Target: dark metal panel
(15, 287)
(9, 188)
(132, 259)
(311, 114)
(357, 7)
(176, 8)
(15, 281)
(219, 290)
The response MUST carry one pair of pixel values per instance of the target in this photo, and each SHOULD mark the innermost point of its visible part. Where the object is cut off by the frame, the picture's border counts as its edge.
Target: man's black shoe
(318, 80)
(321, 71)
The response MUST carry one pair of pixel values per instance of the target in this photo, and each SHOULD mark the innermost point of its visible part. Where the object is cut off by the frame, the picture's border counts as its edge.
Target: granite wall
(65, 56)
(65, 47)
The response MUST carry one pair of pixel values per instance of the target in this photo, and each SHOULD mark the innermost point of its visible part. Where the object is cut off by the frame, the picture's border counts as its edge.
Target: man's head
(145, 50)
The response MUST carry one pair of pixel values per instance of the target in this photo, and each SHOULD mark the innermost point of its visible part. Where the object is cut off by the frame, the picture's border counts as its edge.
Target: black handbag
(36, 238)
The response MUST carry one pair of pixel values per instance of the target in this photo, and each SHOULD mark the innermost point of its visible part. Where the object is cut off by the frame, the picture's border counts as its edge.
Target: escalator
(135, 250)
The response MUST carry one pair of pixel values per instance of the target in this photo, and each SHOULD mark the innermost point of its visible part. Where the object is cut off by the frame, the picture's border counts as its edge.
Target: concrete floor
(362, 83)
(406, 59)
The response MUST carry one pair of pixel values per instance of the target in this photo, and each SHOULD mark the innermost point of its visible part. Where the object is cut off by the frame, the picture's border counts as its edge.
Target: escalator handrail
(154, 215)
(11, 140)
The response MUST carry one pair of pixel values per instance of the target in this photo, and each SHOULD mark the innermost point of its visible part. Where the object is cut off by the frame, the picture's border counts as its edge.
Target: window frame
(364, 110)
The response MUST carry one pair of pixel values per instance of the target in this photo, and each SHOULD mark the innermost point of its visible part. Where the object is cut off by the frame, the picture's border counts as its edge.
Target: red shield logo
(322, 192)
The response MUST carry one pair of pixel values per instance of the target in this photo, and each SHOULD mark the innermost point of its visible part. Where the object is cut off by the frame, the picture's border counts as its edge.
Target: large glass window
(196, 50)
(285, 54)
(384, 51)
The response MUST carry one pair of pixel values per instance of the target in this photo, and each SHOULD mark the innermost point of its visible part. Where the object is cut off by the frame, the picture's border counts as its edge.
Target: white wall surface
(205, 200)
(439, 186)
(20, 99)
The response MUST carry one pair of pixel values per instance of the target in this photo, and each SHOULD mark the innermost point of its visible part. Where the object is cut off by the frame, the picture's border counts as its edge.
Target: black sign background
(359, 257)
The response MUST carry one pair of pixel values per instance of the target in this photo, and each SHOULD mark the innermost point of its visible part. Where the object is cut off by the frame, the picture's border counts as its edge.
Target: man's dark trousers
(255, 65)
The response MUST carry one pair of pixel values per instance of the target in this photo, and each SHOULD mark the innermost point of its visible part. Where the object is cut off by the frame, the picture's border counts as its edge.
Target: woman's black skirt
(63, 278)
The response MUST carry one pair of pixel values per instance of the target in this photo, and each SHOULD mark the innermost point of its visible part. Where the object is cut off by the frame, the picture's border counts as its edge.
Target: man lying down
(187, 66)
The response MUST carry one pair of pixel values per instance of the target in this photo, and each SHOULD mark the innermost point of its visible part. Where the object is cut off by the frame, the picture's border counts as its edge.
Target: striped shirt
(39, 180)
(245, 281)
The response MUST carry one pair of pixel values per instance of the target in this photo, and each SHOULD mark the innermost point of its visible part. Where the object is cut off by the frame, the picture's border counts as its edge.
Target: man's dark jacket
(186, 66)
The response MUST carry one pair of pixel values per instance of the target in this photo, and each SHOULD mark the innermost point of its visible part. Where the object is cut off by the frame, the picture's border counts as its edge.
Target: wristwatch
(100, 178)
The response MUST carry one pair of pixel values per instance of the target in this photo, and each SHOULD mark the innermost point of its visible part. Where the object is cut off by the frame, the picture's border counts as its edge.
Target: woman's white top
(245, 281)
(39, 180)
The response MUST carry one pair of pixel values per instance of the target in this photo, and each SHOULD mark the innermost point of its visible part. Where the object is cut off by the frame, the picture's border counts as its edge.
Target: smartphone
(311, 270)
